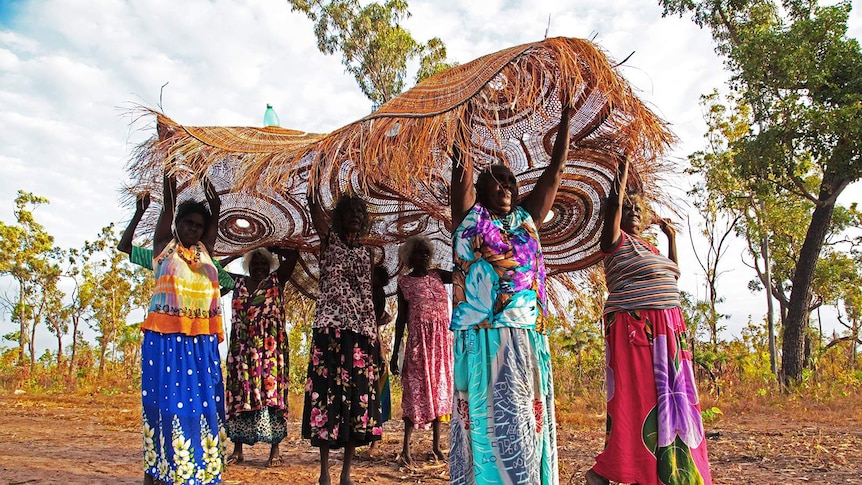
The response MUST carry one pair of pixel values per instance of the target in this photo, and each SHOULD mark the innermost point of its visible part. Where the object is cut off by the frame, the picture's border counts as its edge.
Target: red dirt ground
(68, 439)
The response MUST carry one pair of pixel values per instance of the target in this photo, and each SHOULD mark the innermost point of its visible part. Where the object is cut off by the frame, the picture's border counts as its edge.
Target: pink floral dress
(426, 376)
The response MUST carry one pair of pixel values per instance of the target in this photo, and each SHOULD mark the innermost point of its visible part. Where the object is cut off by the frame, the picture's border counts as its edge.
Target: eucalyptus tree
(80, 271)
(802, 76)
(27, 249)
(112, 292)
(374, 46)
(53, 310)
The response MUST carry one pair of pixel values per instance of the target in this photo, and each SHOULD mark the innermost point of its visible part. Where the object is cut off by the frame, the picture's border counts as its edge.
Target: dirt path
(96, 440)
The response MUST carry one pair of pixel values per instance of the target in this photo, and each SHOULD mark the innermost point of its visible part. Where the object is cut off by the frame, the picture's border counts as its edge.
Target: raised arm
(462, 194)
(209, 237)
(318, 218)
(287, 259)
(400, 323)
(613, 208)
(163, 233)
(125, 244)
(670, 232)
(539, 201)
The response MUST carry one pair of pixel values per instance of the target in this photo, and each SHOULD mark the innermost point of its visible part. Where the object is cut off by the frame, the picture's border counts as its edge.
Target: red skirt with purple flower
(341, 402)
(654, 429)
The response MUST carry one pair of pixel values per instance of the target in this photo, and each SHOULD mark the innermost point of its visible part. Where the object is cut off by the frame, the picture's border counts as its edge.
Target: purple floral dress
(257, 364)
(503, 428)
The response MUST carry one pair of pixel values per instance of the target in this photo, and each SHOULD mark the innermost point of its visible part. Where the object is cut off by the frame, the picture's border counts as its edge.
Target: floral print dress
(503, 428)
(426, 376)
(257, 364)
(181, 380)
(341, 402)
(655, 434)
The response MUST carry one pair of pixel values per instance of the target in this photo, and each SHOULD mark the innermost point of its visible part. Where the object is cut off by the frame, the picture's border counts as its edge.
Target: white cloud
(70, 69)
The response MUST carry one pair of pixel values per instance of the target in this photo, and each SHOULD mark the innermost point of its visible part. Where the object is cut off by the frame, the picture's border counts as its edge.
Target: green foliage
(27, 258)
(375, 47)
(578, 347)
(711, 414)
(299, 313)
(801, 77)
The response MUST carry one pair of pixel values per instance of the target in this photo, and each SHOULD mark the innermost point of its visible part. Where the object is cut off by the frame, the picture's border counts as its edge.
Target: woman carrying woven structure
(655, 432)
(426, 376)
(341, 403)
(181, 379)
(143, 257)
(258, 356)
(503, 425)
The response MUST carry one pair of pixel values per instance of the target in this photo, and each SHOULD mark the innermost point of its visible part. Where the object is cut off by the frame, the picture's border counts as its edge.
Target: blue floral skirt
(182, 393)
(503, 428)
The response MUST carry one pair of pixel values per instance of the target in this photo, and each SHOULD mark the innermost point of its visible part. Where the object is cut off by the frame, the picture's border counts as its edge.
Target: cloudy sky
(70, 71)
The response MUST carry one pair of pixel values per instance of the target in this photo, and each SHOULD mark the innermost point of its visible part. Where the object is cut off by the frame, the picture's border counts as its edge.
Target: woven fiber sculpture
(504, 107)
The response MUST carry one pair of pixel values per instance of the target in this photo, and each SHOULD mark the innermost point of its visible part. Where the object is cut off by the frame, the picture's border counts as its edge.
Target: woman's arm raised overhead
(539, 201)
(287, 259)
(462, 194)
(125, 244)
(670, 232)
(163, 233)
(211, 234)
(611, 233)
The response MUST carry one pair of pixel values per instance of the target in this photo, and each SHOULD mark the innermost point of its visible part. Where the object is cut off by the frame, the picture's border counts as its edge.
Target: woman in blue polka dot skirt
(181, 381)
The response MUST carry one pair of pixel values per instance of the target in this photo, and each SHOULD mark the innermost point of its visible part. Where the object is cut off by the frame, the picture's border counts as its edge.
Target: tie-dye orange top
(186, 295)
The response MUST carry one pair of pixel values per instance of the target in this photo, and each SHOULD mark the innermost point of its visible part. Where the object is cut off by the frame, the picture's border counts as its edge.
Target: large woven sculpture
(503, 107)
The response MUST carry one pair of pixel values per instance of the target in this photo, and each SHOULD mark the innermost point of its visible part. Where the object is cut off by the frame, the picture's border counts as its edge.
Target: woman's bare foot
(406, 457)
(275, 459)
(235, 458)
(371, 453)
(438, 454)
(594, 478)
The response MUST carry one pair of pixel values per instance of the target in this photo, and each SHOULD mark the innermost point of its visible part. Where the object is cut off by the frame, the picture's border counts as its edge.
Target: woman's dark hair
(345, 203)
(189, 207)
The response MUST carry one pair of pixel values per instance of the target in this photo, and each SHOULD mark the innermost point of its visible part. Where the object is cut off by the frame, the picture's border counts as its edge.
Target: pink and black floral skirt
(341, 402)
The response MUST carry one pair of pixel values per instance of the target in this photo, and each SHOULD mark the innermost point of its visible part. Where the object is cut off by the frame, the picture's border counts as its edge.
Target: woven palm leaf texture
(504, 108)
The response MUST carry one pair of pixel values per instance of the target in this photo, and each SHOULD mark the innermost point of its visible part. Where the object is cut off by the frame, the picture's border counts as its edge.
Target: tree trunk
(798, 309)
(59, 352)
(22, 321)
(770, 306)
(32, 345)
(104, 350)
(75, 321)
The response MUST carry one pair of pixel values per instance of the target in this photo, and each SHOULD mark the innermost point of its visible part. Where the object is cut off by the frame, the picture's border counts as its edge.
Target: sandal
(234, 459)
